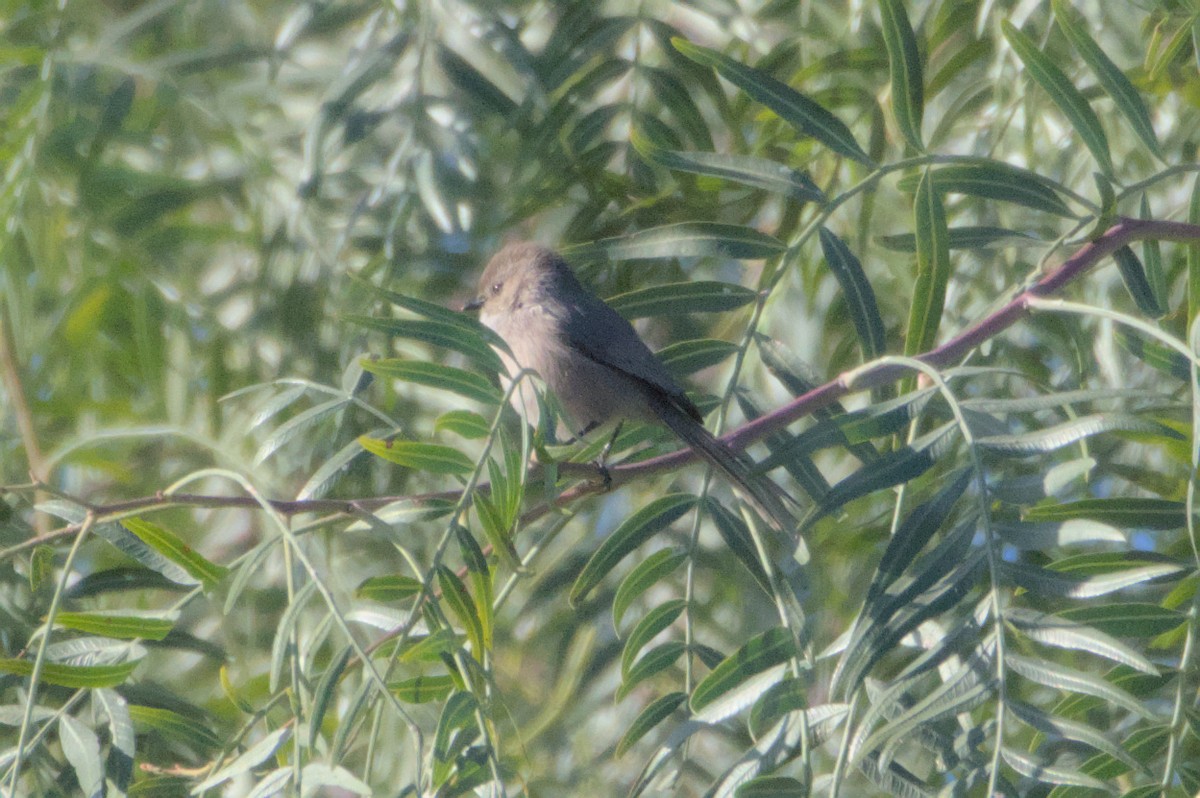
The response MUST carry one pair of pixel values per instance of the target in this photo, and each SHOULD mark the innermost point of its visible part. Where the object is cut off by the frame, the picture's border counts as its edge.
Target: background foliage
(232, 233)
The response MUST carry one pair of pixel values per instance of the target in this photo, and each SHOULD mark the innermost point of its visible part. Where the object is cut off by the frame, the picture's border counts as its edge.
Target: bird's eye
(495, 288)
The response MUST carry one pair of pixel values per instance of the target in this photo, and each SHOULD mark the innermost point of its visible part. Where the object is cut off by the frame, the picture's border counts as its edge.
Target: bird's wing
(620, 349)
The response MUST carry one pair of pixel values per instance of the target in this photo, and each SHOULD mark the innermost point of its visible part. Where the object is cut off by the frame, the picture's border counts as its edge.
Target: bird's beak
(473, 305)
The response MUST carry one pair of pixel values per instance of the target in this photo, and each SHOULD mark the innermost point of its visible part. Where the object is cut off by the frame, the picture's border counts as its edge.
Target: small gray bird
(595, 364)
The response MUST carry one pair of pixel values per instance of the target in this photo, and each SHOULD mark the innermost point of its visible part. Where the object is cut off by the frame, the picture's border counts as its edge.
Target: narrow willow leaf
(759, 653)
(860, 296)
(633, 532)
(297, 424)
(904, 64)
(1069, 432)
(120, 732)
(1145, 744)
(1193, 254)
(1133, 274)
(780, 744)
(458, 713)
(283, 646)
(683, 240)
(1122, 512)
(426, 309)
(120, 627)
(745, 169)
(699, 296)
(1154, 353)
(189, 726)
(893, 468)
(648, 573)
(446, 335)
(1118, 87)
(253, 756)
(648, 628)
(1064, 633)
(933, 268)
(737, 537)
(1152, 259)
(787, 695)
(469, 384)
(81, 748)
(792, 107)
(329, 472)
(465, 423)
(678, 100)
(995, 180)
(171, 546)
(1062, 92)
(456, 597)
(651, 663)
(801, 467)
(687, 357)
(325, 692)
(1060, 677)
(1131, 619)
(914, 532)
(965, 237)
(75, 676)
(1068, 729)
(1045, 535)
(422, 689)
(134, 547)
(1034, 768)
(742, 695)
(771, 787)
(431, 457)
(1046, 582)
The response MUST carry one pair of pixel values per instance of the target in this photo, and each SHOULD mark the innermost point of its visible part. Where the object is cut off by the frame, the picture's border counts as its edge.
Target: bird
(598, 368)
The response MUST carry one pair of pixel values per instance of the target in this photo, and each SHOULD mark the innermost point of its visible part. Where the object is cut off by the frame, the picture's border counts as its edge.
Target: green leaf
(1056, 584)
(648, 627)
(770, 648)
(190, 729)
(904, 65)
(1062, 632)
(1152, 259)
(792, 107)
(687, 357)
(648, 573)
(456, 597)
(393, 587)
(771, 787)
(464, 423)
(655, 713)
(75, 676)
(120, 627)
(457, 337)
(965, 237)
(1133, 274)
(683, 240)
(431, 457)
(171, 546)
(651, 663)
(434, 375)
(1067, 729)
(325, 692)
(699, 296)
(860, 297)
(933, 269)
(1118, 87)
(1062, 92)
(1035, 767)
(633, 532)
(1070, 432)
(745, 169)
(1122, 512)
(994, 180)
(251, 758)
(422, 689)
(1130, 619)
(1154, 353)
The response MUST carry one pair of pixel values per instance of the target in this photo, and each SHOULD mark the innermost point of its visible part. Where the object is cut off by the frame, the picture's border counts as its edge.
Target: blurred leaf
(687, 357)
(456, 336)
(1052, 438)
(1123, 512)
(465, 423)
(655, 713)
(793, 107)
(1133, 274)
(392, 587)
(1064, 94)
(967, 237)
(699, 296)
(251, 758)
(745, 169)
(647, 628)
(121, 627)
(456, 597)
(1126, 620)
(422, 689)
(653, 662)
(683, 240)
(81, 748)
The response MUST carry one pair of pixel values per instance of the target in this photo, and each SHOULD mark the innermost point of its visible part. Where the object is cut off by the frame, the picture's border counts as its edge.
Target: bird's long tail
(764, 495)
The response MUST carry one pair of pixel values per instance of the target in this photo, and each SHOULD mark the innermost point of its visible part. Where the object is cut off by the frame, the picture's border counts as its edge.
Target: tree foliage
(268, 523)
